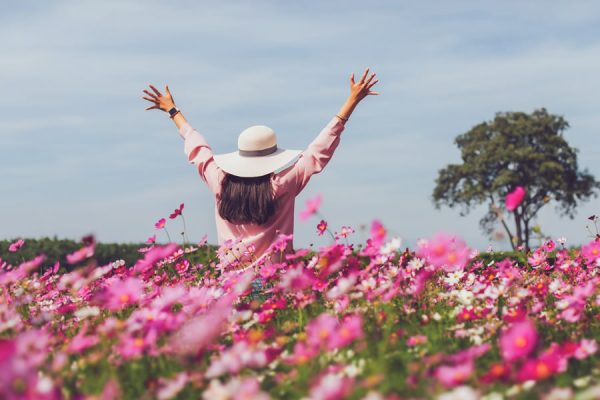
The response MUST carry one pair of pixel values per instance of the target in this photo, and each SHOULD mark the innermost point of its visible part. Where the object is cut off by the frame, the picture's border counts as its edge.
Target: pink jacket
(287, 184)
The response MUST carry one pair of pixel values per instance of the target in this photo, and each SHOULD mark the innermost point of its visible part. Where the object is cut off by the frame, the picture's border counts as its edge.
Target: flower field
(369, 321)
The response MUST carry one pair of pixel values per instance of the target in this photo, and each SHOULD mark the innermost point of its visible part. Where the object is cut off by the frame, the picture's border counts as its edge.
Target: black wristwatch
(173, 112)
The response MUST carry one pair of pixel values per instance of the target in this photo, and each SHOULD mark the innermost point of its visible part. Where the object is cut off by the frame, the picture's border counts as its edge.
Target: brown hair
(247, 200)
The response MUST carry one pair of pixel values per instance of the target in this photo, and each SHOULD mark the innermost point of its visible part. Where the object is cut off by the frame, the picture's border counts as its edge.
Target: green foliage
(515, 149)
(56, 250)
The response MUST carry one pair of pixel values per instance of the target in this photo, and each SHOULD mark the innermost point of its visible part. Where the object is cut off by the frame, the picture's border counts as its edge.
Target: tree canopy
(515, 149)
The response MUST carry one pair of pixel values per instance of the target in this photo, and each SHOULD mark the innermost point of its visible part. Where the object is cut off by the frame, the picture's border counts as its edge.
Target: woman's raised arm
(195, 147)
(319, 152)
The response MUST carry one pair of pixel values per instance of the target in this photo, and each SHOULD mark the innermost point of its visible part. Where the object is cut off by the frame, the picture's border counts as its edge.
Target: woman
(256, 185)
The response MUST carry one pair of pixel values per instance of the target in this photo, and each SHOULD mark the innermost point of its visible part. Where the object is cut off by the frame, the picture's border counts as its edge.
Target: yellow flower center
(138, 342)
(452, 257)
(542, 370)
(124, 298)
(520, 342)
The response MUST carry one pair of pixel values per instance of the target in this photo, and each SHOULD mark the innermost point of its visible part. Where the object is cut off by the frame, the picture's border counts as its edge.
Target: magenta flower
(151, 239)
(591, 251)
(321, 331)
(518, 340)
(331, 387)
(81, 254)
(81, 341)
(321, 227)
(378, 233)
(178, 211)
(514, 198)
(350, 329)
(312, 206)
(447, 252)
(16, 245)
(160, 224)
(549, 246)
(416, 340)
(122, 293)
(586, 348)
(540, 368)
(450, 376)
(302, 353)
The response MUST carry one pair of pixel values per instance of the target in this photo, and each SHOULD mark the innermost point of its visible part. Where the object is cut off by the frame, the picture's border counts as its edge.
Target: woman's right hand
(162, 102)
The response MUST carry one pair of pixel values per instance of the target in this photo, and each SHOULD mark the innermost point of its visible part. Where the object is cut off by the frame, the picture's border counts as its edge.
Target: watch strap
(173, 111)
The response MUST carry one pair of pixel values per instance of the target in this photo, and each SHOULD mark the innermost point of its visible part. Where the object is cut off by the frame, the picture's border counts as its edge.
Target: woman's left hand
(362, 89)
(162, 102)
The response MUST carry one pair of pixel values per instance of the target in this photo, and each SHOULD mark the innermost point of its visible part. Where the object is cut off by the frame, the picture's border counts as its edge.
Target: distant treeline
(57, 249)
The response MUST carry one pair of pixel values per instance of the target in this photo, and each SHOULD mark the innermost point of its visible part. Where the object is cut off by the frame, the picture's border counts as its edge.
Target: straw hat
(257, 154)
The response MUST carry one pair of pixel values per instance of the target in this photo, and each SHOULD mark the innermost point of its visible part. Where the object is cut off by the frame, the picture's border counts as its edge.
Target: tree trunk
(501, 218)
(519, 229)
(526, 228)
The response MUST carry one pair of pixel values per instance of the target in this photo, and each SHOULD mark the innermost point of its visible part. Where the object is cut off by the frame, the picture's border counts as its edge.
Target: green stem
(185, 239)
(168, 236)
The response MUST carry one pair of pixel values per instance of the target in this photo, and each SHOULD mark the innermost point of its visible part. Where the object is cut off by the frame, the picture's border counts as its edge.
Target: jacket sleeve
(200, 154)
(318, 153)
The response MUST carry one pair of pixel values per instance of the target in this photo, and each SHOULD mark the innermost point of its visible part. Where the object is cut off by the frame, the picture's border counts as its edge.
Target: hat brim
(248, 167)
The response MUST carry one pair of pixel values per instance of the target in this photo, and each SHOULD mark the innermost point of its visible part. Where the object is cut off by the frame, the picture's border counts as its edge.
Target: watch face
(172, 111)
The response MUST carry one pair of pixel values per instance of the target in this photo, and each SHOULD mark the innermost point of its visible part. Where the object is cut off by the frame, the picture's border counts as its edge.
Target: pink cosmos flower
(16, 245)
(539, 368)
(203, 241)
(331, 387)
(321, 227)
(81, 254)
(321, 330)
(518, 340)
(591, 251)
(182, 266)
(378, 233)
(200, 331)
(447, 252)
(586, 348)
(122, 293)
(302, 353)
(81, 341)
(514, 198)
(312, 206)
(416, 340)
(549, 246)
(344, 232)
(160, 223)
(350, 329)
(151, 240)
(537, 258)
(178, 211)
(450, 376)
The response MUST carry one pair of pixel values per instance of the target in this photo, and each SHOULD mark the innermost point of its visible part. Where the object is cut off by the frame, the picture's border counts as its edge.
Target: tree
(515, 149)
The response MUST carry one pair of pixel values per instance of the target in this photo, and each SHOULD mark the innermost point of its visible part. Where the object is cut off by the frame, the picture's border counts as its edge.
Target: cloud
(76, 140)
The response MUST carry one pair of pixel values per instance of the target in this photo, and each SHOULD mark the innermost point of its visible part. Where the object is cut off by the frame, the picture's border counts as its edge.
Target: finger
(352, 78)
(167, 89)
(372, 83)
(362, 79)
(151, 95)
(375, 93)
(155, 90)
(149, 99)
(370, 78)
(150, 108)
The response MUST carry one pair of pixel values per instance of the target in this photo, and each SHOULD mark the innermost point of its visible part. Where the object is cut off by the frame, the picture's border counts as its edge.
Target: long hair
(247, 200)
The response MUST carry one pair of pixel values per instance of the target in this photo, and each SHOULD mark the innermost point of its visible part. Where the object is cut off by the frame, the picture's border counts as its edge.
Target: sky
(79, 154)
